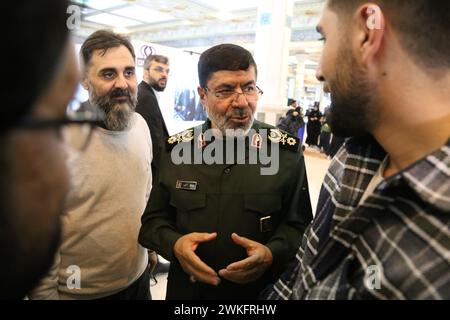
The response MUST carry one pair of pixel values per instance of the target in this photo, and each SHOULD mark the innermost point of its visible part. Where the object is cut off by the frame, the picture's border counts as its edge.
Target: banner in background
(179, 102)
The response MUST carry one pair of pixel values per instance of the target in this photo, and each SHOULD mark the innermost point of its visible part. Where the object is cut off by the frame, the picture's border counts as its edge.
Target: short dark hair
(223, 57)
(157, 58)
(423, 26)
(33, 45)
(103, 40)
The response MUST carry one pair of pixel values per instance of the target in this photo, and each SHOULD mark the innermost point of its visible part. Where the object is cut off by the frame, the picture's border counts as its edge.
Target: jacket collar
(147, 86)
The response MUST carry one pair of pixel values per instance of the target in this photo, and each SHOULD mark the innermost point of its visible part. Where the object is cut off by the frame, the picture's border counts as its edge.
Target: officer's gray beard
(228, 128)
(117, 115)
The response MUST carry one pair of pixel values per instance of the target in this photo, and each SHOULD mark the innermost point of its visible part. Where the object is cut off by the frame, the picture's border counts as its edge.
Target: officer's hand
(184, 250)
(250, 269)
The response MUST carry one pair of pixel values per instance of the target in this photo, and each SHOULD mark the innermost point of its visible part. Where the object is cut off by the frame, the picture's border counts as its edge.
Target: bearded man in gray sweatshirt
(99, 256)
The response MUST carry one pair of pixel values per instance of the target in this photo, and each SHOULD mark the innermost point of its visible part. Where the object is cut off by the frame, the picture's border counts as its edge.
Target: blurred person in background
(313, 126)
(42, 74)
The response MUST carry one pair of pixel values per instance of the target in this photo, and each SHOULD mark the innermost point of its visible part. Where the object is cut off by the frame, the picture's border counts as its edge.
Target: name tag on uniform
(265, 224)
(187, 185)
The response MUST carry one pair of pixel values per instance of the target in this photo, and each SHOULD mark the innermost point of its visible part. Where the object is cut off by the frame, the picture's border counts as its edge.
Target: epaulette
(284, 139)
(184, 136)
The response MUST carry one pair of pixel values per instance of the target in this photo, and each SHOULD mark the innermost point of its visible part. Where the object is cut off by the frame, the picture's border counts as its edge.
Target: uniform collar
(207, 125)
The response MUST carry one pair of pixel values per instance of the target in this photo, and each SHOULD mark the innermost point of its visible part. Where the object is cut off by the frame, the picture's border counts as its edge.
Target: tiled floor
(316, 167)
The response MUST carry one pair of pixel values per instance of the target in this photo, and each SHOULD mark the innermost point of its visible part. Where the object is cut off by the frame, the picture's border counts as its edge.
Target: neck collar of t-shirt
(376, 180)
(156, 93)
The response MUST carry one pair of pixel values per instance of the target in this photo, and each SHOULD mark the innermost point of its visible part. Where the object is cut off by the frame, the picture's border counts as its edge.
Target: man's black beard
(156, 86)
(352, 112)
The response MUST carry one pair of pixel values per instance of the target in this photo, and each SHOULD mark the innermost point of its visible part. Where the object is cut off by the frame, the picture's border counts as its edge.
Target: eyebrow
(231, 86)
(115, 70)
(161, 68)
(225, 86)
(102, 71)
(249, 83)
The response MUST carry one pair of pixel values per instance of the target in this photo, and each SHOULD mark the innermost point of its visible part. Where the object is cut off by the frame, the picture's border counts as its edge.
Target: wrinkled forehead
(232, 78)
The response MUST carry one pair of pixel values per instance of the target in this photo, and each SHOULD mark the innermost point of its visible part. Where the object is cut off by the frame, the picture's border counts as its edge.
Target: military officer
(228, 227)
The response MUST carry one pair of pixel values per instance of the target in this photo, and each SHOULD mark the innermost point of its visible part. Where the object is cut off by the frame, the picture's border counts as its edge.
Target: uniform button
(227, 170)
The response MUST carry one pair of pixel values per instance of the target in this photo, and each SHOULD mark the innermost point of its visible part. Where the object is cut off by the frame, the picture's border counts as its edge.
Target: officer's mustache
(239, 113)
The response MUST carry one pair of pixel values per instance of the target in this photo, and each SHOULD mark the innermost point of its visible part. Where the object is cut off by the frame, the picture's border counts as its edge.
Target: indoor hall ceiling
(195, 25)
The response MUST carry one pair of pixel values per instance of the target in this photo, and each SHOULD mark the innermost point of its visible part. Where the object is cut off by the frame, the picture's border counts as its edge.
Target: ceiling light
(121, 30)
(112, 20)
(230, 5)
(101, 5)
(143, 14)
(223, 15)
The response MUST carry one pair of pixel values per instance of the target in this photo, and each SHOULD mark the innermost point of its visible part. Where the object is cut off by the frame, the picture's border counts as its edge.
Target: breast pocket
(265, 211)
(190, 211)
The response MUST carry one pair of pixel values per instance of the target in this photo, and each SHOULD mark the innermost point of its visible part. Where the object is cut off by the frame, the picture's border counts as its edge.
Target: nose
(121, 82)
(319, 74)
(239, 99)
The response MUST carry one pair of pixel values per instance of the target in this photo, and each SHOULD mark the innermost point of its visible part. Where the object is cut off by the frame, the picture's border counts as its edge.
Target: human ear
(146, 75)
(84, 83)
(370, 31)
(201, 93)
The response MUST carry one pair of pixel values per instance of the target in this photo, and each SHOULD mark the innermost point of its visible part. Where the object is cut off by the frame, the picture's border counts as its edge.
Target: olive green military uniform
(226, 198)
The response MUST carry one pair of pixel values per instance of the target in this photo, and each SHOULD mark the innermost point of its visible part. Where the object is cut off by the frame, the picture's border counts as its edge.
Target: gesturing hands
(251, 268)
(184, 250)
(244, 271)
